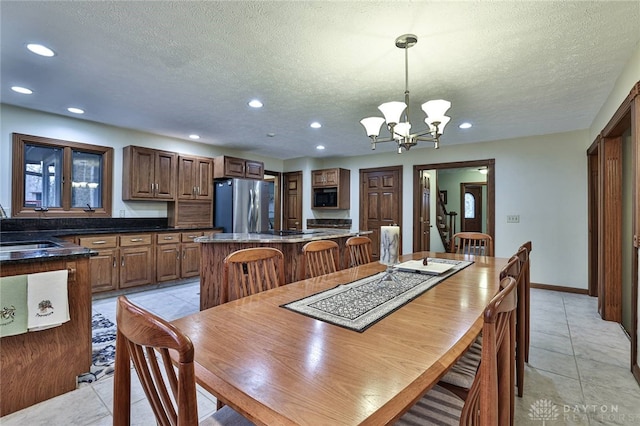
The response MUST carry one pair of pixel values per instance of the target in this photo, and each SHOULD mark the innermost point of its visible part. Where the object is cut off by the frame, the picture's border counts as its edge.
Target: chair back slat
(358, 251)
(253, 270)
(472, 243)
(319, 258)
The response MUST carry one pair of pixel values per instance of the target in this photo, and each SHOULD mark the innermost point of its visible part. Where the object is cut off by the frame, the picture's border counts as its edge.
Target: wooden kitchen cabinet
(168, 257)
(149, 174)
(331, 189)
(105, 266)
(195, 178)
(136, 260)
(232, 167)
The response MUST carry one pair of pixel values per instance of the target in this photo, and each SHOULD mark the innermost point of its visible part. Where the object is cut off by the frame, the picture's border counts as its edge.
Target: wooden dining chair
(250, 271)
(170, 385)
(357, 251)
(319, 258)
(462, 374)
(473, 243)
(488, 402)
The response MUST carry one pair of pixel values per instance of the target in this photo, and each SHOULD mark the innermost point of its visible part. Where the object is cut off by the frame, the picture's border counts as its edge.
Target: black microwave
(325, 197)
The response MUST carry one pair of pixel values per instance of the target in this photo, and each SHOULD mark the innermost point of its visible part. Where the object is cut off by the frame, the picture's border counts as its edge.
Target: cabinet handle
(184, 254)
(114, 261)
(197, 190)
(168, 238)
(177, 254)
(136, 240)
(96, 243)
(121, 260)
(191, 237)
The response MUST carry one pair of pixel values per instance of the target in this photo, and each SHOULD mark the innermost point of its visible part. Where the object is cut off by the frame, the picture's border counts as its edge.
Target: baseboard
(559, 288)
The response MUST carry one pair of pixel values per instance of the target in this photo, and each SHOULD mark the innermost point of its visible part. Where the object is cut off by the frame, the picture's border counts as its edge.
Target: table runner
(360, 304)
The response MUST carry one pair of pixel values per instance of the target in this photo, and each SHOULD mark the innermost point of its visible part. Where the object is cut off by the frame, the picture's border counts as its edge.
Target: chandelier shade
(396, 114)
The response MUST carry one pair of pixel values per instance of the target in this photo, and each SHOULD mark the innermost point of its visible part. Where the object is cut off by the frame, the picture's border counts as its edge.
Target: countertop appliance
(243, 205)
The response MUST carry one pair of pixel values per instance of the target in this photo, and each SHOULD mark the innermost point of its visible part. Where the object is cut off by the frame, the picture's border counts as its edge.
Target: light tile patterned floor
(578, 371)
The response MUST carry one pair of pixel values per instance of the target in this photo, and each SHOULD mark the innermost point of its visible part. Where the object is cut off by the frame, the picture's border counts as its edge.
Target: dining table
(279, 367)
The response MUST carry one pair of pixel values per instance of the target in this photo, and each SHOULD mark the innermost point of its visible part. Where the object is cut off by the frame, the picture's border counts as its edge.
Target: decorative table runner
(360, 304)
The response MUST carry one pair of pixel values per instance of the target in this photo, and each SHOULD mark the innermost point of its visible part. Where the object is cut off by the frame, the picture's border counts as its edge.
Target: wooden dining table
(278, 367)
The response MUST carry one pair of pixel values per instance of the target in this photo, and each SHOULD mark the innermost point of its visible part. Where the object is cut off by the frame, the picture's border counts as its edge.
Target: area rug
(360, 304)
(103, 349)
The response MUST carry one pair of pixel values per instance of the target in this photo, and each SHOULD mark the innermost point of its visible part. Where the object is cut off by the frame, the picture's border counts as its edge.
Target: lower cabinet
(177, 256)
(136, 260)
(105, 266)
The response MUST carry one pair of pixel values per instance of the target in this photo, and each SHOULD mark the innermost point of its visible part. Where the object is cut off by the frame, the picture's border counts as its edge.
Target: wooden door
(168, 262)
(471, 206)
(142, 172)
(292, 201)
(186, 177)
(136, 266)
(104, 270)
(190, 264)
(380, 203)
(425, 212)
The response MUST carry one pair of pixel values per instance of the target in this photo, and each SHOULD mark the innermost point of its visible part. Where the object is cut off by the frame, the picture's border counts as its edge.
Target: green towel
(13, 305)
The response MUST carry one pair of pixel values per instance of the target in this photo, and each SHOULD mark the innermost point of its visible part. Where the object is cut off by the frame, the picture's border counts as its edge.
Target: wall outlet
(121, 213)
(513, 218)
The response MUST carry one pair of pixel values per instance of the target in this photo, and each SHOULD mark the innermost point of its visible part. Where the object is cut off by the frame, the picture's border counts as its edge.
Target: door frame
(489, 163)
(277, 195)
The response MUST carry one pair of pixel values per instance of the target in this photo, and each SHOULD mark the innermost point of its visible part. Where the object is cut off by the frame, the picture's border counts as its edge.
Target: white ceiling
(174, 68)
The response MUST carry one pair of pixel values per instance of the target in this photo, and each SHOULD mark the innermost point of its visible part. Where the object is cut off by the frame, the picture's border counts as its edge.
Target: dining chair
(252, 270)
(357, 251)
(169, 384)
(319, 258)
(462, 374)
(488, 402)
(473, 243)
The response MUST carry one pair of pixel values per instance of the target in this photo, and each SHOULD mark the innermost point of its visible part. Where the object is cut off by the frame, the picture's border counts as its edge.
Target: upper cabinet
(232, 167)
(195, 178)
(331, 189)
(149, 174)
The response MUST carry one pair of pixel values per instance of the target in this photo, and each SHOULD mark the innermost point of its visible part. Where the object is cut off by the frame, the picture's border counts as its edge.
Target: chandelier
(396, 114)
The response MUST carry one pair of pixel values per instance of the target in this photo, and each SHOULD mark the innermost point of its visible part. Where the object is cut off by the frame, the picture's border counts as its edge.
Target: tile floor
(578, 371)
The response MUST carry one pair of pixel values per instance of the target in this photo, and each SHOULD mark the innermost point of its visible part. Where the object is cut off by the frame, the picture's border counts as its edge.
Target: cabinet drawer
(135, 240)
(171, 238)
(188, 237)
(99, 242)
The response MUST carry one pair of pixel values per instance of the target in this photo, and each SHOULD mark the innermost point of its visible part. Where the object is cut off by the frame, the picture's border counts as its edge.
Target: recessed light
(255, 103)
(75, 110)
(465, 125)
(22, 90)
(41, 50)
(271, 134)
(320, 147)
(194, 136)
(315, 125)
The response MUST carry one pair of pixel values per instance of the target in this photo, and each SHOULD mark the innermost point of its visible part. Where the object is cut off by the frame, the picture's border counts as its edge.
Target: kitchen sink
(26, 245)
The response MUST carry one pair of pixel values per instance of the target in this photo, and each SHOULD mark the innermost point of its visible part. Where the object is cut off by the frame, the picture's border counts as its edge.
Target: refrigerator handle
(250, 224)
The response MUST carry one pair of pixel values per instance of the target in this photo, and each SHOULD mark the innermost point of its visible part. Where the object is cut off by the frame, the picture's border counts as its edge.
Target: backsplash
(13, 225)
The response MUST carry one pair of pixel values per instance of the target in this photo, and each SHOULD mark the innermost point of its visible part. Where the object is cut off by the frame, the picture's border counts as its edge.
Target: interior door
(471, 203)
(292, 201)
(380, 203)
(425, 212)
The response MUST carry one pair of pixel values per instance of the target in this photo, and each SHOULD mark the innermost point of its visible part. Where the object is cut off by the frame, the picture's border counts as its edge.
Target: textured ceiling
(175, 68)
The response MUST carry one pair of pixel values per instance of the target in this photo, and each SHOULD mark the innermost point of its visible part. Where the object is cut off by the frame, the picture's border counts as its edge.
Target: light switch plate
(513, 218)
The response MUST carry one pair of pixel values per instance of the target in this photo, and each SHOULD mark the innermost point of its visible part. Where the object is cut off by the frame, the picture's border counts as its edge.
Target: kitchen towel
(47, 299)
(13, 305)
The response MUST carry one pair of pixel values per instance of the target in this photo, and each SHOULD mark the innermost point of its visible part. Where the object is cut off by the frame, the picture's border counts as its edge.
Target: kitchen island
(216, 247)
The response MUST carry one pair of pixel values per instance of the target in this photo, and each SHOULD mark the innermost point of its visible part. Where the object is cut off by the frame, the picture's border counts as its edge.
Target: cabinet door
(254, 169)
(187, 173)
(204, 179)
(104, 270)
(317, 178)
(136, 266)
(190, 266)
(168, 262)
(292, 208)
(331, 177)
(234, 167)
(140, 175)
(165, 175)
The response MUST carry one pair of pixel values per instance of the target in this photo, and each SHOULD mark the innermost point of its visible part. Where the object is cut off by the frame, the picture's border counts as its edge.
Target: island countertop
(214, 248)
(302, 237)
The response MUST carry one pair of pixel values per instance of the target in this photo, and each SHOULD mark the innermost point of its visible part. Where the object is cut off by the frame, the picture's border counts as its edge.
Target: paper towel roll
(389, 244)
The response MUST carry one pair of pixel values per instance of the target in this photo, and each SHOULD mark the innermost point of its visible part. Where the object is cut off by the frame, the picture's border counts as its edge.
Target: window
(469, 206)
(56, 178)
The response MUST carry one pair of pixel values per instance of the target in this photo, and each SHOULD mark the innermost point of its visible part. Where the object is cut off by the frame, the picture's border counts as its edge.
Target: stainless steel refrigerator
(243, 205)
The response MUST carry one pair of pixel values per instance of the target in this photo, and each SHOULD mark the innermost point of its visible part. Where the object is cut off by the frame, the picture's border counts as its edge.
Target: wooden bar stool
(250, 271)
(357, 251)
